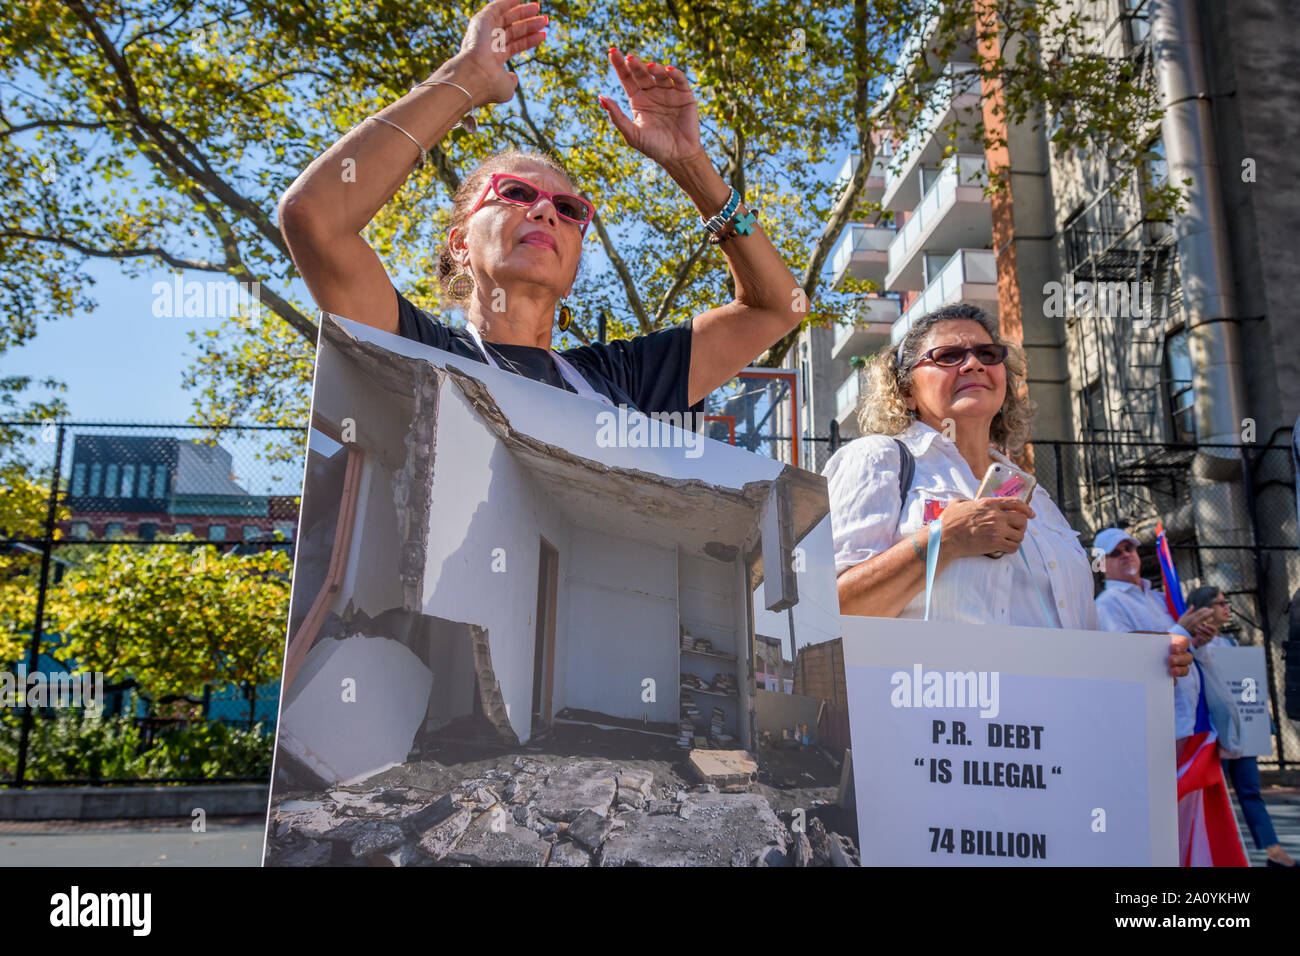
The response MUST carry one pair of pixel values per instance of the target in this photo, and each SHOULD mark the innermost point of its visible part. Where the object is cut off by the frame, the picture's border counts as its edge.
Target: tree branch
(68, 124)
(201, 171)
(136, 252)
(848, 199)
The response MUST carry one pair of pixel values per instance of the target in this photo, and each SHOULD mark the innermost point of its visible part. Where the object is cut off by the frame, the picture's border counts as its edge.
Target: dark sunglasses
(948, 356)
(1127, 547)
(514, 189)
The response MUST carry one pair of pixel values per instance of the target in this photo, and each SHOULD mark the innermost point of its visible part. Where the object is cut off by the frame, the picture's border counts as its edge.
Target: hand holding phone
(1006, 481)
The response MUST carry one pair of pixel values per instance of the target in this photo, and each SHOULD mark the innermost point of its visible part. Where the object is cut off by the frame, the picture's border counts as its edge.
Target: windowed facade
(148, 530)
(78, 479)
(80, 530)
(114, 529)
(251, 531)
(183, 529)
(96, 477)
(159, 481)
(128, 481)
(1179, 395)
(110, 481)
(216, 532)
(1092, 401)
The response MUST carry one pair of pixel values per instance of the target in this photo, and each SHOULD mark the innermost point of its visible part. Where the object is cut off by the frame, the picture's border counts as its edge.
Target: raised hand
(665, 125)
(497, 32)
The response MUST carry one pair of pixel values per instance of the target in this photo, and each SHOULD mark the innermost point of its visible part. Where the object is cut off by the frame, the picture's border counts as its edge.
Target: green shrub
(70, 746)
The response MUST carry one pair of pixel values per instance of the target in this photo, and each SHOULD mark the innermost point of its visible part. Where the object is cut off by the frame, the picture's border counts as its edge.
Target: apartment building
(1158, 346)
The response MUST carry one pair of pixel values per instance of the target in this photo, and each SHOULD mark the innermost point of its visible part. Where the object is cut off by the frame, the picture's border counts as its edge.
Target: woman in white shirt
(952, 394)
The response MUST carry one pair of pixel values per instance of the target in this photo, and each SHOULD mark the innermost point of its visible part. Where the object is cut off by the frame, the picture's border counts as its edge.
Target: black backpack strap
(906, 472)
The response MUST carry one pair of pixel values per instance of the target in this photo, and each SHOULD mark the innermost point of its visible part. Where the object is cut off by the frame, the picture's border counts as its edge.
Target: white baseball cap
(1111, 538)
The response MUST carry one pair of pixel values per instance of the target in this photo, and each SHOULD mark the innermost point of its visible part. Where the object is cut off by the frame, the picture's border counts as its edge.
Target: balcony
(956, 98)
(873, 320)
(874, 187)
(970, 276)
(862, 252)
(846, 401)
(954, 213)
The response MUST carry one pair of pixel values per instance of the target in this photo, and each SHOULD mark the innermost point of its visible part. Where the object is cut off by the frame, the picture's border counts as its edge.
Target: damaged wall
(817, 615)
(484, 500)
(380, 420)
(620, 627)
(449, 653)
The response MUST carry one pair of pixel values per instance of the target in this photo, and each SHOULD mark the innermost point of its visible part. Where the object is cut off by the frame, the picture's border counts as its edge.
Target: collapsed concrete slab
(589, 830)
(566, 854)
(494, 840)
(437, 841)
(720, 829)
(586, 785)
(355, 707)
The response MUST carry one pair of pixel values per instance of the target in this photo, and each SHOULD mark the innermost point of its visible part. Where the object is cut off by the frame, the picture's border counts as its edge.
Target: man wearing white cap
(1129, 604)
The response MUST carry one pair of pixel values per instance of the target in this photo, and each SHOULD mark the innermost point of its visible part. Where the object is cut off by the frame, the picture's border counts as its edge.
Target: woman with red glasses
(944, 405)
(517, 226)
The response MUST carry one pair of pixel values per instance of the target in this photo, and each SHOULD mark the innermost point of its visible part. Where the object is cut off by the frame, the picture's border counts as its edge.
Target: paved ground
(237, 841)
(232, 841)
(1284, 809)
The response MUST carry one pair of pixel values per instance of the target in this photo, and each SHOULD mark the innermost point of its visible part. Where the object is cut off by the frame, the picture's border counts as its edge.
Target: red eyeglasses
(517, 190)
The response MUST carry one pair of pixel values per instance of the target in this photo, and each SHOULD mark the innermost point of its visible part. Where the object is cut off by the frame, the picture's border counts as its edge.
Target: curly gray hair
(882, 405)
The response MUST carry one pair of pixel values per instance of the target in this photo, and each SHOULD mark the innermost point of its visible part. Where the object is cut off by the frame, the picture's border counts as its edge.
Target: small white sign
(988, 746)
(1246, 675)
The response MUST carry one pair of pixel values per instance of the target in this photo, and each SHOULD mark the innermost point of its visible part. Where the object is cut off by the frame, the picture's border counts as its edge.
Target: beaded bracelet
(719, 222)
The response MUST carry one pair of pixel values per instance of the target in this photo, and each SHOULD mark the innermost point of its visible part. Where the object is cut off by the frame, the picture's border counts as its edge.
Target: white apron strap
(562, 365)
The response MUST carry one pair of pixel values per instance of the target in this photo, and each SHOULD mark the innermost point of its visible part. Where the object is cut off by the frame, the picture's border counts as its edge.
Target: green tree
(24, 508)
(160, 134)
(174, 619)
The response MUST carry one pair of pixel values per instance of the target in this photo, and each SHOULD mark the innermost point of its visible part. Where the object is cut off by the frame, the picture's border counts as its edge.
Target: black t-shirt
(649, 373)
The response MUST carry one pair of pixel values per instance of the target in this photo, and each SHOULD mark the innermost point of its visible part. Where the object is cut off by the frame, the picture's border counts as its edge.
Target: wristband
(719, 222)
(916, 547)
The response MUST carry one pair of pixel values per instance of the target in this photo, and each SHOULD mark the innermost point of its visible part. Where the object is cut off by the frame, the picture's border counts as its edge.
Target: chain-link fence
(1229, 516)
(1229, 513)
(144, 585)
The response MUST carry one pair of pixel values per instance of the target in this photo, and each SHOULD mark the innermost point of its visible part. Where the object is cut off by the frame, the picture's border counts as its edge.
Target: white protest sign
(1246, 675)
(988, 746)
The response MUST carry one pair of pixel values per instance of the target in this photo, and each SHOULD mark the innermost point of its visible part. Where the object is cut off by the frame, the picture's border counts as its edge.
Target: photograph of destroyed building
(513, 642)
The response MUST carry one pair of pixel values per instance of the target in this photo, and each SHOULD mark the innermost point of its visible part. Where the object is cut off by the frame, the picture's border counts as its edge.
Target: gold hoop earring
(461, 286)
(566, 317)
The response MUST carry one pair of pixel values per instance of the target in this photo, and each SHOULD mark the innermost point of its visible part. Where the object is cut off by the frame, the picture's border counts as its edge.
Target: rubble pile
(575, 812)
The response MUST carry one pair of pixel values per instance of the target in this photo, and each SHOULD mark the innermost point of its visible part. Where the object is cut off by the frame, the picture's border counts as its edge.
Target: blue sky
(119, 361)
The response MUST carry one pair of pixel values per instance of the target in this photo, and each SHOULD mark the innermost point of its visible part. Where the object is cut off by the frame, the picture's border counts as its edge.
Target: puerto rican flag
(1169, 575)
(1207, 828)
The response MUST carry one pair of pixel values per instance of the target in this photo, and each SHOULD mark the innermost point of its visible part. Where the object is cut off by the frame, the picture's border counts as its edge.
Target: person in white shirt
(1127, 603)
(1242, 771)
(950, 392)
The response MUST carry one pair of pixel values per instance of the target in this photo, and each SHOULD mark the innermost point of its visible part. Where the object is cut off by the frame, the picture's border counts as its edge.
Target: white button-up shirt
(866, 519)
(1124, 606)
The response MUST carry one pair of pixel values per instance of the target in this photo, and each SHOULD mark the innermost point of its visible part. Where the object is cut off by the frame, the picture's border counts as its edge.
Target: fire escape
(1128, 472)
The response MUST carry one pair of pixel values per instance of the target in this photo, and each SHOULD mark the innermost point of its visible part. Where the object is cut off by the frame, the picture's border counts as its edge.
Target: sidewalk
(228, 841)
(237, 841)
(1284, 810)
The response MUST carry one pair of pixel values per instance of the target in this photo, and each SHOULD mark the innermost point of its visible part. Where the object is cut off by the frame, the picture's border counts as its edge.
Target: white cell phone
(1004, 481)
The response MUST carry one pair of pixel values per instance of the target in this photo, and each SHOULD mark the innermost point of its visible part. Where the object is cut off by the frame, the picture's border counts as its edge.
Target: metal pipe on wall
(1209, 300)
